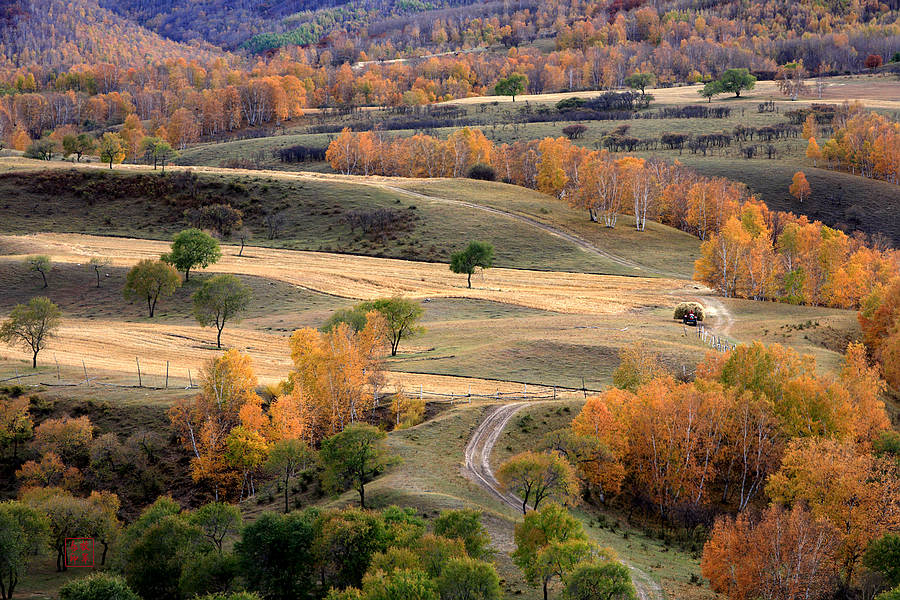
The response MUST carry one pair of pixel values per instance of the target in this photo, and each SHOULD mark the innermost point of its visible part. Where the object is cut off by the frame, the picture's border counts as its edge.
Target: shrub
(684, 308)
(97, 586)
(483, 172)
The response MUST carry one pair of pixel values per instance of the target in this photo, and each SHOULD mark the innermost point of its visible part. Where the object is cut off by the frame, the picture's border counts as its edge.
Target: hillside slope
(50, 33)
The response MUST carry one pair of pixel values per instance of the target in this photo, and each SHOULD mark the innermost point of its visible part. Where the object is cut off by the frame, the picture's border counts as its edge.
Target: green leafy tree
(79, 145)
(403, 584)
(157, 151)
(599, 581)
(548, 542)
(354, 317)
(112, 150)
(151, 280)
(354, 457)
(465, 525)
(640, 81)
(220, 299)
(734, 81)
(217, 520)
(154, 559)
(710, 89)
(276, 555)
(97, 586)
(191, 249)
(401, 317)
(23, 535)
(469, 579)
(346, 542)
(212, 572)
(96, 264)
(883, 556)
(42, 149)
(31, 325)
(513, 85)
(476, 255)
(536, 476)
(40, 264)
(288, 458)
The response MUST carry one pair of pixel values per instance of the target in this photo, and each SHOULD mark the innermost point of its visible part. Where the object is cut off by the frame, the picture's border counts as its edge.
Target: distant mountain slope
(231, 23)
(65, 32)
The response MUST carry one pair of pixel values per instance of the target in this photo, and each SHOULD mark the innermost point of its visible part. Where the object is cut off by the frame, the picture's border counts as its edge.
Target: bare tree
(97, 263)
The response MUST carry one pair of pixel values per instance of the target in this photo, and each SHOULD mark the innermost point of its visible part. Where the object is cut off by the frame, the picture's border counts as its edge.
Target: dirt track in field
(477, 467)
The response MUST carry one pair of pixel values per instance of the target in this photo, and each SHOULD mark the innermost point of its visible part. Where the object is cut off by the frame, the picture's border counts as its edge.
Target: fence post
(583, 389)
(420, 392)
(167, 374)
(57, 366)
(525, 397)
(138, 360)
(190, 379)
(554, 392)
(470, 393)
(83, 366)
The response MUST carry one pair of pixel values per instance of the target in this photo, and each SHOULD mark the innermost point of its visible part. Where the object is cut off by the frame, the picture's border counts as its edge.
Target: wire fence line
(716, 342)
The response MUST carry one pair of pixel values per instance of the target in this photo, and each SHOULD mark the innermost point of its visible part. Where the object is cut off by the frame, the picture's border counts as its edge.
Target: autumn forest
(450, 300)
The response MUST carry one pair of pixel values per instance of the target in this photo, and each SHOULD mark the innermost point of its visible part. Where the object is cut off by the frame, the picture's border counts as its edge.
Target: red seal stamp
(79, 552)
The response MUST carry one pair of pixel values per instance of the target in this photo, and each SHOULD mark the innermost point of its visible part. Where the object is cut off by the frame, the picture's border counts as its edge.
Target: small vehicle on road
(689, 318)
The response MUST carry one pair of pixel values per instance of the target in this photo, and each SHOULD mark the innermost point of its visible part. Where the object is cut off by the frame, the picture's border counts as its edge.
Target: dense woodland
(78, 67)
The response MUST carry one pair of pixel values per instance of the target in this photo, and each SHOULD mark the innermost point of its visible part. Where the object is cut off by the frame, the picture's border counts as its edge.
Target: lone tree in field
(476, 255)
(799, 188)
(353, 457)
(400, 316)
(97, 263)
(220, 299)
(150, 280)
(734, 81)
(536, 476)
(513, 85)
(40, 264)
(191, 249)
(111, 149)
(640, 81)
(31, 325)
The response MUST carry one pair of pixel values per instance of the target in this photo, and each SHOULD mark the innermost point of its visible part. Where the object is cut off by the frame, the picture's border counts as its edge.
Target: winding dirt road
(477, 467)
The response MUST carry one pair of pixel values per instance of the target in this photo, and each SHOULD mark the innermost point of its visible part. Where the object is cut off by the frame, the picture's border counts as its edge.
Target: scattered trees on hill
(150, 280)
(476, 255)
(31, 325)
(220, 299)
(192, 249)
